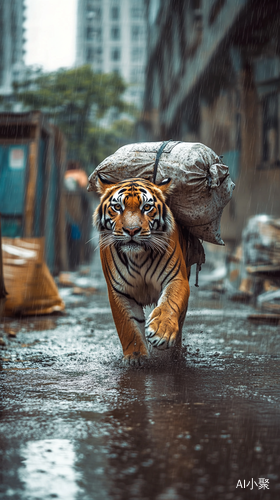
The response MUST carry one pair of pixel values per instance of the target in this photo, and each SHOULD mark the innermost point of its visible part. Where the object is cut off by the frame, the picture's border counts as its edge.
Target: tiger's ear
(103, 184)
(165, 186)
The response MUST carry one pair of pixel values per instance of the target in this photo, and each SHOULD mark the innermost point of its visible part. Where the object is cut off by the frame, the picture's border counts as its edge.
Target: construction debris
(30, 286)
(65, 280)
(261, 245)
(270, 301)
(254, 268)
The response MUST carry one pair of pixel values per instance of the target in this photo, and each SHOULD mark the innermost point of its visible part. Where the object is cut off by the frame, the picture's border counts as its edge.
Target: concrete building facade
(111, 36)
(213, 76)
(11, 43)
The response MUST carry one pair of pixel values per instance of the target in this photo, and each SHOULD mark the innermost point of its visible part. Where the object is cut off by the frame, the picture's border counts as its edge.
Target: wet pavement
(76, 424)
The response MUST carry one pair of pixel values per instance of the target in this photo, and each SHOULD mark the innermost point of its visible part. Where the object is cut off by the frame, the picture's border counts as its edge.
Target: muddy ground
(76, 424)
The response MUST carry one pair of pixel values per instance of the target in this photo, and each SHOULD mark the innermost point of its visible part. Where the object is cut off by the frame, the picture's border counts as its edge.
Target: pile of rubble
(250, 273)
(253, 272)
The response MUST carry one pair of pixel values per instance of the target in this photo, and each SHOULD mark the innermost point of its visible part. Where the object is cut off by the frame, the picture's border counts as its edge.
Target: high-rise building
(11, 43)
(111, 36)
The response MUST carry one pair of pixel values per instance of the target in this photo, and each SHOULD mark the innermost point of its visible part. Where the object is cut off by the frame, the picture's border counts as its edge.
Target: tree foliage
(79, 101)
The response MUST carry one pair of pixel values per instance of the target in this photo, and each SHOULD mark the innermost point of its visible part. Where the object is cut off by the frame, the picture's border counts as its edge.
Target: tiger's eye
(147, 207)
(117, 206)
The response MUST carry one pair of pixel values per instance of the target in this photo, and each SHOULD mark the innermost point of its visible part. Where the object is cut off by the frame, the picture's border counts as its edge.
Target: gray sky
(50, 33)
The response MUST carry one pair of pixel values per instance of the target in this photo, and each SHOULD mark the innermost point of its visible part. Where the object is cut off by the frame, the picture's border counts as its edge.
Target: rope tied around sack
(159, 153)
(197, 271)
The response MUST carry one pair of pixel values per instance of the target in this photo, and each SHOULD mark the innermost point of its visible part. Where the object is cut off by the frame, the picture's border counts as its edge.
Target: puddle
(173, 430)
(48, 470)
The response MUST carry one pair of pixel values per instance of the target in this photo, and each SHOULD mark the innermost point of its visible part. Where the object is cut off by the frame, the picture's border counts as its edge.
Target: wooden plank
(263, 268)
(265, 318)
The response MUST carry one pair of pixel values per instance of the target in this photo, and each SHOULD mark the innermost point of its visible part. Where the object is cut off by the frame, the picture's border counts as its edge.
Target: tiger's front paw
(135, 358)
(161, 329)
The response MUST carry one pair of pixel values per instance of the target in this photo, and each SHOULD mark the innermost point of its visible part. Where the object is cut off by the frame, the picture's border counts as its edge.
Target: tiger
(143, 256)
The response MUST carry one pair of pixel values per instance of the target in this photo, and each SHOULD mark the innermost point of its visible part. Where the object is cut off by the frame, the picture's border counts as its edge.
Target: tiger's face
(133, 215)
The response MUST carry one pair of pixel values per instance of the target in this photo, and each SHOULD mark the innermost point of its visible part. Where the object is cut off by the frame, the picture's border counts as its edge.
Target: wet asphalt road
(76, 424)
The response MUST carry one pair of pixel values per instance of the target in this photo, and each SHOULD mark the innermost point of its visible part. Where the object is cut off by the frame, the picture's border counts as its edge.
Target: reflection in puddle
(48, 470)
(178, 429)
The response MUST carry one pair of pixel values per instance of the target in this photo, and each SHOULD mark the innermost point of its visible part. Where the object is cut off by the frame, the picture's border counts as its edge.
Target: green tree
(77, 101)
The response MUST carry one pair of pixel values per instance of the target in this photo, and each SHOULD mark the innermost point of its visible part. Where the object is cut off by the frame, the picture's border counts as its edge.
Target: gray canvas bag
(201, 184)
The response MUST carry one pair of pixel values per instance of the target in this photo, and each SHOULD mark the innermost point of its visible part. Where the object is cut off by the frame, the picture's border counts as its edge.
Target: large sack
(30, 286)
(201, 183)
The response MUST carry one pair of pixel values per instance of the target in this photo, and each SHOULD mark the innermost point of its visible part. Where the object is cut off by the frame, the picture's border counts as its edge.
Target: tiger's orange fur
(143, 258)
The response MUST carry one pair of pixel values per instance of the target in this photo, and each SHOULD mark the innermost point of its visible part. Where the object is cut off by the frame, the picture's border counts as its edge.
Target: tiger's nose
(132, 230)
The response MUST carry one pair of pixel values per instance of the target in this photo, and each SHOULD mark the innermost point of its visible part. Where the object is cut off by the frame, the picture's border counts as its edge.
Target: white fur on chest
(146, 289)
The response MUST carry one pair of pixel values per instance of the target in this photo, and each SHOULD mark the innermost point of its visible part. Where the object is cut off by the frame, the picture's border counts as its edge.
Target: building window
(137, 74)
(97, 13)
(136, 12)
(98, 55)
(115, 33)
(137, 54)
(90, 54)
(136, 33)
(136, 9)
(94, 13)
(115, 12)
(115, 54)
(97, 35)
(94, 34)
(90, 33)
(94, 54)
(116, 71)
(270, 130)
